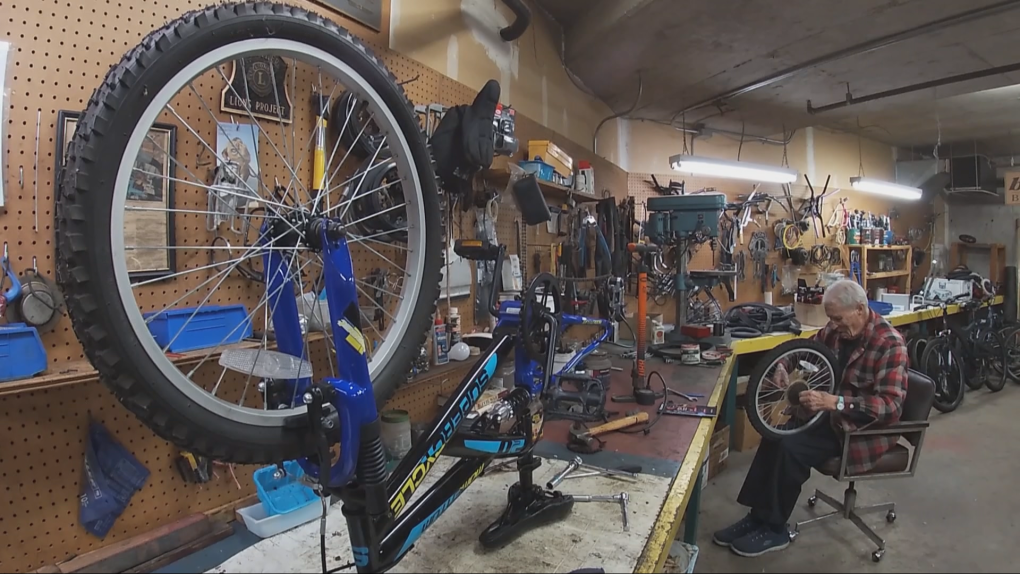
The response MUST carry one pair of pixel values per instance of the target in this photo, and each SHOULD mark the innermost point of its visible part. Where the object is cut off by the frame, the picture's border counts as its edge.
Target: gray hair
(845, 294)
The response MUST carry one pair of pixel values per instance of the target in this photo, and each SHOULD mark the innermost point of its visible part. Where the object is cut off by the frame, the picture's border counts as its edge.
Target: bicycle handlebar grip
(520, 24)
(642, 248)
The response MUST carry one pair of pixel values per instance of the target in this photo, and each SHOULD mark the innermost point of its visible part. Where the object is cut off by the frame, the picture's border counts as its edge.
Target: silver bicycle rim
(400, 150)
(813, 384)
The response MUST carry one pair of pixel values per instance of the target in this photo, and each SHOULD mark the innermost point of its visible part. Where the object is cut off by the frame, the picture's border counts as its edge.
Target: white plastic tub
(260, 524)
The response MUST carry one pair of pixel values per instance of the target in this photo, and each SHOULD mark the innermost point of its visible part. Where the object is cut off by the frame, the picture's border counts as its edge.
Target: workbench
(667, 494)
(670, 456)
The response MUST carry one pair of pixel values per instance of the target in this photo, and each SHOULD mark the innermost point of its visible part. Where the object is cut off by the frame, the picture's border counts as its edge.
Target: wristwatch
(840, 403)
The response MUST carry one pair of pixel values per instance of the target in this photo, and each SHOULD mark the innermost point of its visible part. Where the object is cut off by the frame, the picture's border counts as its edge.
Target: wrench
(551, 485)
(622, 498)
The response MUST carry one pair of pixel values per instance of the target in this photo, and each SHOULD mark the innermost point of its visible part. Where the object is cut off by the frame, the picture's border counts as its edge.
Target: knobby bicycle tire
(998, 361)
(84, 262)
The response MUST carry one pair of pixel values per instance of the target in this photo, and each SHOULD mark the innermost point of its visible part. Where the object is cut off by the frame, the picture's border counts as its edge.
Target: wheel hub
(300, 227)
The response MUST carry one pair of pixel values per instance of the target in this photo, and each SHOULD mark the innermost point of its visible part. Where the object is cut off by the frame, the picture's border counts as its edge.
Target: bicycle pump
(642, 395)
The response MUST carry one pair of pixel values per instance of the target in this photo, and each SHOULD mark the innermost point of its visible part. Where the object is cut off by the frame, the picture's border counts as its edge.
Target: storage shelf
(78, 372)
(500, 176)
(865, 253)
(881, 247)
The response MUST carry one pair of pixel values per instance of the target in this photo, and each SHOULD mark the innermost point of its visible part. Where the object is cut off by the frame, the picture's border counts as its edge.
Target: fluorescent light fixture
(732, 169)
(885, 188)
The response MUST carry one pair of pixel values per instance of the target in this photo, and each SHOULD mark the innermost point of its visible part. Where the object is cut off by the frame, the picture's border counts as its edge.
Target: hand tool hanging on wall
(11, 295)
(35, 200)
(40, 304)
(195, 469)
(855, 267)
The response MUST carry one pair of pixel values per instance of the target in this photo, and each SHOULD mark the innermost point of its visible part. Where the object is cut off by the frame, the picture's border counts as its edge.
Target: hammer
(579, 435)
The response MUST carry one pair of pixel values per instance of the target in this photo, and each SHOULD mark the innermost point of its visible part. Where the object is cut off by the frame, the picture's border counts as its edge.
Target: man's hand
(815, 401)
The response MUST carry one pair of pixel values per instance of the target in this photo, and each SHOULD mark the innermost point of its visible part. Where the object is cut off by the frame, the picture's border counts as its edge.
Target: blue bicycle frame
(382, 525)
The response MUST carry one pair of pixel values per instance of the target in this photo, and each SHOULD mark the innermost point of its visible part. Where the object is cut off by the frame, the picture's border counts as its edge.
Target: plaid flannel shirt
(874, 383)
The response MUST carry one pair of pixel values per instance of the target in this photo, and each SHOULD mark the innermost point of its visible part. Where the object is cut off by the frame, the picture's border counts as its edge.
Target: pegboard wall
(62, 50)
(749, 290)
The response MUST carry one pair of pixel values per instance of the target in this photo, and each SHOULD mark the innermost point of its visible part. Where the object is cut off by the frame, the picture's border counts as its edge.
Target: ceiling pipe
(852, 101)
(595, 136)
(861, 48)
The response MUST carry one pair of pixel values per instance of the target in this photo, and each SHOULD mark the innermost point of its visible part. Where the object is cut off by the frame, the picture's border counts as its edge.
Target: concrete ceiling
(693, 51)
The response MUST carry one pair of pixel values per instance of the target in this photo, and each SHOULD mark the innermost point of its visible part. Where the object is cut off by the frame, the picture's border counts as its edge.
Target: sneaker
(743, 527)
(761, 541)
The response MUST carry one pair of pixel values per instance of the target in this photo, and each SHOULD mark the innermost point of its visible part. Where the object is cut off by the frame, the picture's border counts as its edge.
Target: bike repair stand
(528, 505)
(643, 394)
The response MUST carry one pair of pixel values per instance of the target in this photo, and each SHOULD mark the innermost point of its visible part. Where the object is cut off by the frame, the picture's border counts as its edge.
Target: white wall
(459, 38)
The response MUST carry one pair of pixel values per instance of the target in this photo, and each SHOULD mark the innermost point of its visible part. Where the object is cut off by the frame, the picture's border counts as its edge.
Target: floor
(592, 536)
(959, 513)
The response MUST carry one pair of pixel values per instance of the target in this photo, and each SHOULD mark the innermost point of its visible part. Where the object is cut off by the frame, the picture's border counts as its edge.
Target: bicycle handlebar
(944, 304)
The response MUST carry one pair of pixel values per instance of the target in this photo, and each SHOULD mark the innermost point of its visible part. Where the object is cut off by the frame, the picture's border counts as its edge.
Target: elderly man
(873, 359)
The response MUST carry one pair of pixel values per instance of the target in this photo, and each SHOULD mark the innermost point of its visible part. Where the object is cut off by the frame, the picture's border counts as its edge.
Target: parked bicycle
(977, 349)
(942, 363)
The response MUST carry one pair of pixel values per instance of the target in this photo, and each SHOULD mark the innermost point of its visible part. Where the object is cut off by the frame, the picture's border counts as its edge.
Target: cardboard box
(655, 334)
(718, 452)
(810, 315)
(552, 155)
(745, 438)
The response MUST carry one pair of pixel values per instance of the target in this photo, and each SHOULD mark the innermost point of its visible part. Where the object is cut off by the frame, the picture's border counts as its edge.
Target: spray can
(453, 324)
(440, 343)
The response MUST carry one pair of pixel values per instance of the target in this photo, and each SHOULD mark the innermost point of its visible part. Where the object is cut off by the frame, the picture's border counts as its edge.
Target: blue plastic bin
(212, 326)
(541, 169)
(22, 354)
(880, 307)
(280, 496)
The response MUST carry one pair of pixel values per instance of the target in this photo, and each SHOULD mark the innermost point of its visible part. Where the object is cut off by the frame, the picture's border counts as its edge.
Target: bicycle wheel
(171, 77)
(973, 376)
(773, 411)
(1011, 337)
(915, 349)
(995, 358)
(940, 362)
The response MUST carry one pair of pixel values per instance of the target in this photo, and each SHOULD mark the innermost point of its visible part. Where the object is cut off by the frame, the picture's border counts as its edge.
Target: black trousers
(781, 468)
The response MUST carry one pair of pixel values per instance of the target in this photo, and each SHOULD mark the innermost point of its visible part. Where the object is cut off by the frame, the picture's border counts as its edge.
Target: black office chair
(900, 461)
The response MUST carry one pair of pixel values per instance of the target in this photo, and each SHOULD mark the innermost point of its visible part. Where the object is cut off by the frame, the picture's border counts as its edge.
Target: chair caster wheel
(812, 501)
(876, 556)
(793, 534)
(890, 516)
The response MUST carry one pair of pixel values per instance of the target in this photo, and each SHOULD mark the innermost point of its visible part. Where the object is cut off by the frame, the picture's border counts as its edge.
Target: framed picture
(367, 12)
(148, 221)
